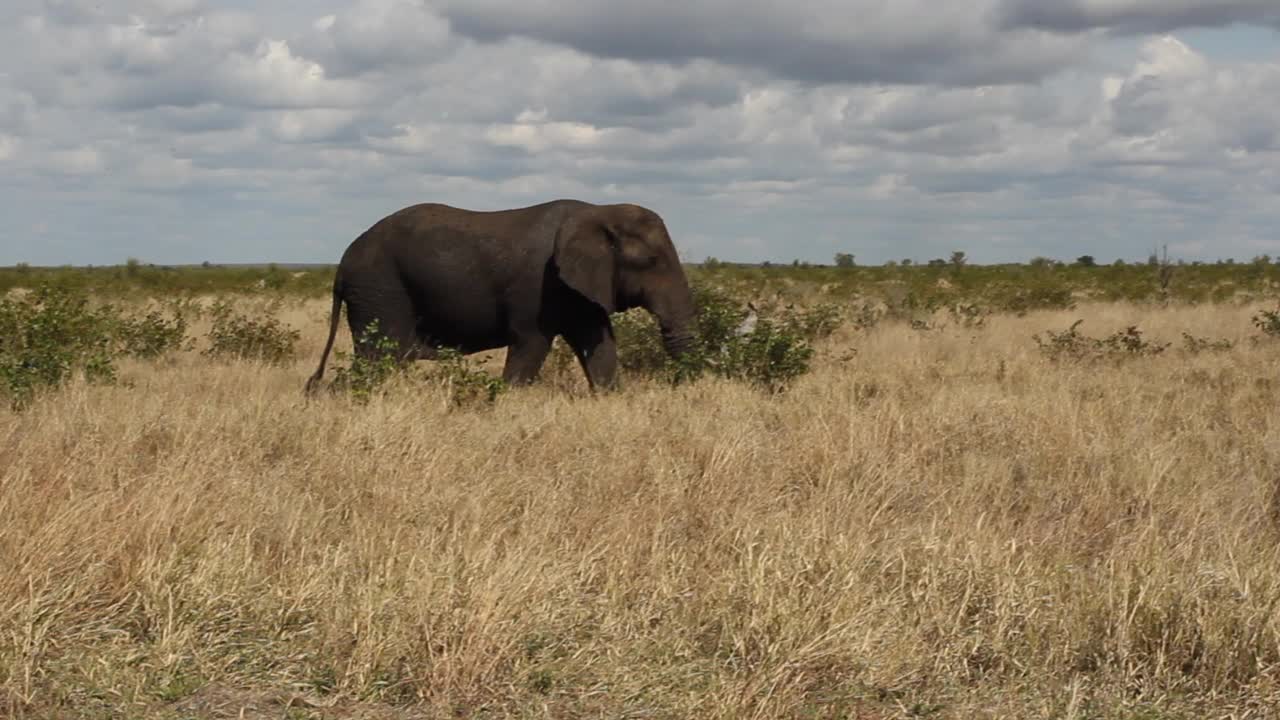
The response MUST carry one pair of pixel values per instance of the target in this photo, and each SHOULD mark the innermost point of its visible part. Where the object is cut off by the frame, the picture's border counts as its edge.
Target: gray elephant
(434, 275)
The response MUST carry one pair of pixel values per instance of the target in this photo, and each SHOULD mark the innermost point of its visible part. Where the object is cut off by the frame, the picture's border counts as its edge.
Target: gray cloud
(1135, 16)
(823, 41)
(378, 36)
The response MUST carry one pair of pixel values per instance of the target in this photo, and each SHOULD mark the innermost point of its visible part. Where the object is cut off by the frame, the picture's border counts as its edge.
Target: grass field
(938, 520)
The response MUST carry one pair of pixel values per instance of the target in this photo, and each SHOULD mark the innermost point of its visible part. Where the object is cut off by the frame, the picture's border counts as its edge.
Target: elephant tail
(313, 383)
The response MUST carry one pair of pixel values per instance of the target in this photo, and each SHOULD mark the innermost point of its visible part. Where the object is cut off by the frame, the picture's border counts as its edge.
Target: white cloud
(275, 77)
(378, 35)
(535, 137)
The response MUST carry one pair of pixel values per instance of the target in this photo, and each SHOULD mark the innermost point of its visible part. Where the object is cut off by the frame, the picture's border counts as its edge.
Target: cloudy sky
(240, 131)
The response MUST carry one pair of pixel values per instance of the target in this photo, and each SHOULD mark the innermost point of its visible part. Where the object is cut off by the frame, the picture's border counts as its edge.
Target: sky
(182, 131)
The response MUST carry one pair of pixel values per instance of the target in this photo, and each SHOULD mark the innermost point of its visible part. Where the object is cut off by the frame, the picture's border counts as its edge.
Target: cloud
(1176, 107)
(1135, 16)
(182, 130)
(378, 36)
(142, 62)
(823, 41)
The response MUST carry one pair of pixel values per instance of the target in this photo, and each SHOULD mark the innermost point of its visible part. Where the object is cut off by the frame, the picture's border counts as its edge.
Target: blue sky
(181, 130)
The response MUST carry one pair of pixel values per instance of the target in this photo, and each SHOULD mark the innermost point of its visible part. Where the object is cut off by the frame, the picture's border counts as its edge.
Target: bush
(969, 315)
(152, 335)
(365, 375)
(1039, 297)
(639, 343)
(1071, 344)
(465, 384)
(867, 315)
(1129, 342)
(46, 337)
(815, 323)
(770, 356)
(1268, 322)
(237, 336)
(1195, 345)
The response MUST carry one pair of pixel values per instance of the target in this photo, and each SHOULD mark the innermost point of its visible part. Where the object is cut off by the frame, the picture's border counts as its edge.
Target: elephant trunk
(677, 342)
(677, 321)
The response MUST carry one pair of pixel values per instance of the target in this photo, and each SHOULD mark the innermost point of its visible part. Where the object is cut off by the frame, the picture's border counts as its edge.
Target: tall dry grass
(931, 524)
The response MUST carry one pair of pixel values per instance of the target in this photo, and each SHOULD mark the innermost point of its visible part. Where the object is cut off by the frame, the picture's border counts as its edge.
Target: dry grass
(945, 525)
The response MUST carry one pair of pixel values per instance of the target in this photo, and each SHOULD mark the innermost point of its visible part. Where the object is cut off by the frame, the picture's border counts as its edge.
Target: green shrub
(1129, 342)
(639, 343)
(464, 382)
(1268, 322)
(907, 305)
(773, 354)
(46, 337)
(814, 323)
(236, 336)
(1039, 297)
(365, 375)
(1071, 344)
(1015, 287)
(152, 335)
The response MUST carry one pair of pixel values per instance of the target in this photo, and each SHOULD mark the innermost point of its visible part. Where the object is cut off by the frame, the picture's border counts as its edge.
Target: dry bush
(944, 524)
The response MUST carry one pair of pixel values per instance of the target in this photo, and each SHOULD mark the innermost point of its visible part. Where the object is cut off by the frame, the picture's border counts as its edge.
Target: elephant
(435, 276)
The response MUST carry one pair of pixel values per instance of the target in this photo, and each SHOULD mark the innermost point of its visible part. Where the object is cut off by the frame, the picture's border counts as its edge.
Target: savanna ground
(941, 518)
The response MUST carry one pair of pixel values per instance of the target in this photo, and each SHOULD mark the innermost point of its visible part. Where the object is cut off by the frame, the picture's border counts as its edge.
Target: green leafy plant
(814, 323)
(237, 336)
(1268, 322)
(152, 335)
(1071, 344)
(1129, 342)
(365, 374)
(466, 383)
(49, 335)
(770, 356)
(639, 342)
(1041, 296)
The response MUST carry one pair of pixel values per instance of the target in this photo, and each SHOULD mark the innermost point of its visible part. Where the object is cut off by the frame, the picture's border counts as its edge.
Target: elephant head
(621, 257)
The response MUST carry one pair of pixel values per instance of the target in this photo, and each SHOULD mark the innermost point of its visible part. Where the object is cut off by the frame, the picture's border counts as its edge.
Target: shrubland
(945, 492)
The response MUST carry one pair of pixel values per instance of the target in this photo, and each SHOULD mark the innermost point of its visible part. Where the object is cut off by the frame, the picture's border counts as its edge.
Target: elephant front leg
(597, 352)
(524, 359)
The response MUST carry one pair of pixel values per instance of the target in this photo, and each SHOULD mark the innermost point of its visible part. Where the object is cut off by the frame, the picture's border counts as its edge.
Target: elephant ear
(586, 253)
